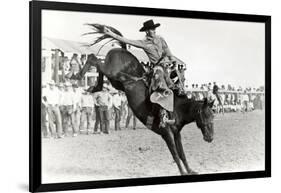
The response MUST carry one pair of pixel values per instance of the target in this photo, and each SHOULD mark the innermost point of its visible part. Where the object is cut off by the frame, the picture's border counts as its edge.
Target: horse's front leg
(169, 139)
(182, 154)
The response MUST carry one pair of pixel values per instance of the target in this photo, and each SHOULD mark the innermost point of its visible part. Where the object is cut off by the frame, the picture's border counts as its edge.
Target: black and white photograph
(127, 96)
(133, 96)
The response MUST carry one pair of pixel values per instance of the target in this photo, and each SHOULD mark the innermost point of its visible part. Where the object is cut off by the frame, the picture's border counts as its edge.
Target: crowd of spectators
(69, 110)
(228, 98)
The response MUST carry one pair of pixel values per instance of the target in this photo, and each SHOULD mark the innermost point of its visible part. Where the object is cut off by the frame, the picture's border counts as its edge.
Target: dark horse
(125, 73)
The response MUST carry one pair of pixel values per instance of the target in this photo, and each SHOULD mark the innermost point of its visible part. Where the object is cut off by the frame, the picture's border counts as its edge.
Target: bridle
(199, 113)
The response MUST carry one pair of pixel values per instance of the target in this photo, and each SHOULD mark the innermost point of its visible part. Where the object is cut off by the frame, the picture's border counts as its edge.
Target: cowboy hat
(149, 25)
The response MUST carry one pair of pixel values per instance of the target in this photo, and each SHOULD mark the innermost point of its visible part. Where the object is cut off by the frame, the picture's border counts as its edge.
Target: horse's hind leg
(169, 139)
(181, 153)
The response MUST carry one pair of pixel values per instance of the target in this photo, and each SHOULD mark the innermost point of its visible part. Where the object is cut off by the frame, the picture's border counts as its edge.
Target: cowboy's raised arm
(167, 50)
(136, 43)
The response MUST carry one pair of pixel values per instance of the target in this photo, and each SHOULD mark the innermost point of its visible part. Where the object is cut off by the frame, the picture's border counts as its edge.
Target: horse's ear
(207, 103)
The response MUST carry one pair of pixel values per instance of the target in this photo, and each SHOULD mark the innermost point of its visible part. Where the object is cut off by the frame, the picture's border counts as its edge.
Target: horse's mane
(99, 30)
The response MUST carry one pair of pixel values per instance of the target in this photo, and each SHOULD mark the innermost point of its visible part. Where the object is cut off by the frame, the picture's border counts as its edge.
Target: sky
(226, 52)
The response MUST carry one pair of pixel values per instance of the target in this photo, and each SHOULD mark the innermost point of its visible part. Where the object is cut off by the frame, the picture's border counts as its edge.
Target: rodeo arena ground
(82, 142)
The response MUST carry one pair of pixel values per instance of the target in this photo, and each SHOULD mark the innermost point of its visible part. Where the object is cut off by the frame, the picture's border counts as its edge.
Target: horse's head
(92, 60)
(204, 118)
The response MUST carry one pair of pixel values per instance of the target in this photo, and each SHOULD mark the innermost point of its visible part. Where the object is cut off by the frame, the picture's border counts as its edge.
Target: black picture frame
(35, 10)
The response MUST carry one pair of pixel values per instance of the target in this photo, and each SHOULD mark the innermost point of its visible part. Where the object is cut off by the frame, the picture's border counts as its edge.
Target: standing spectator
(222, 98)
(124, 101)
(209, 86)
(194, 95)
(87, 104)
(251, 101)
(129, 116)
(77, 104)
(104, 102)
(97, 113)
(189, 94)
(228, 99)
(245, 101)
(258, 102)
(61, 92)
(212, 97)
(51, 98)
(44, 123)
(200, 96)
(67, 106)
(75, 66)
(117, 102)
(216, 93)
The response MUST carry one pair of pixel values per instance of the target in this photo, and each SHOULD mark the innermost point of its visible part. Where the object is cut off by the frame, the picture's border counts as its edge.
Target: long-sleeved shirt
(52, 96)
(75, 65)
(95, 96)
(87, 101)
(104, 99)
(117, 100)
(77, 98)
(67, 98)
(155, 47)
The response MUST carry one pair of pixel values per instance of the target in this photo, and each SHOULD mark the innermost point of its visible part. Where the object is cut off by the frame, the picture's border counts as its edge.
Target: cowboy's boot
(171, 119)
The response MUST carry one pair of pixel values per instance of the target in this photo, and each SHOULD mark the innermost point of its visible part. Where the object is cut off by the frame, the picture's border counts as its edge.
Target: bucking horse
(126, 74)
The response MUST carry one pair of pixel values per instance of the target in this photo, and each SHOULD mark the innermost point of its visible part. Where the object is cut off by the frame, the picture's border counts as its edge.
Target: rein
(198, 112)
(134, 79)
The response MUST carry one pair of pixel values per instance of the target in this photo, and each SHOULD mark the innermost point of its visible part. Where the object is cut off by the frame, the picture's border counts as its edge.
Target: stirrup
(149, 122)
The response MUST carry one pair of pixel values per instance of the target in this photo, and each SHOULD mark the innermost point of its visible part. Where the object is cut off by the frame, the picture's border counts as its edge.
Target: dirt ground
(239, 145)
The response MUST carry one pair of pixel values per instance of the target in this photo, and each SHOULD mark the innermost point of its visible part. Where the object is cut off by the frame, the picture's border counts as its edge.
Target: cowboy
(75, 66)
(104, 101)
(77, 94)
(67, 109)
(117, 102)
(87, 104)
(52, 101)
(156, 49)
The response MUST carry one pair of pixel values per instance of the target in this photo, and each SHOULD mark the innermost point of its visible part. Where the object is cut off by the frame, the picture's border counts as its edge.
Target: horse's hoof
(191, 172)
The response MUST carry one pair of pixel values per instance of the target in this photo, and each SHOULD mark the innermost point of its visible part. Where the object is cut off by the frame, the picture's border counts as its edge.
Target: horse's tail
(99, 29)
